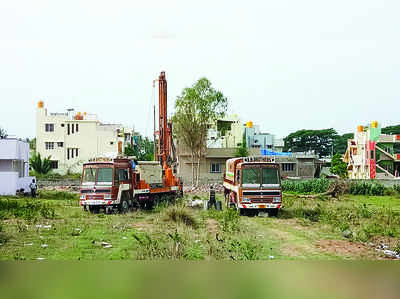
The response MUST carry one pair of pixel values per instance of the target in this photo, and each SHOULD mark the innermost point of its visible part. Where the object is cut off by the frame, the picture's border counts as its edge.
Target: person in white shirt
(33, 187)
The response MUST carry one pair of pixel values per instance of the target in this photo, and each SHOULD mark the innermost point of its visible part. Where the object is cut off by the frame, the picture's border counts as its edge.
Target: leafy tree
(39, 165)
(242, 150)
(3, 133)
(196, 108)
(143, 149)
(321, 141)
(341, 143)
(338, 166)
(392, 130)
(32, 144)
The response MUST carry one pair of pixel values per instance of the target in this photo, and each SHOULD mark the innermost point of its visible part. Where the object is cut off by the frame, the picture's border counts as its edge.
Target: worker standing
(33, 187)
(212, 201)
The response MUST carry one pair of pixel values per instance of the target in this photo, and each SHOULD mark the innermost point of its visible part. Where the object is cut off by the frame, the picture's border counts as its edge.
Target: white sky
(285, 65)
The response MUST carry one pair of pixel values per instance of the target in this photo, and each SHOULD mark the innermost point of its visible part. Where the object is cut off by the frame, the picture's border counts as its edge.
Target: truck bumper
(96, 202)
(260, 206)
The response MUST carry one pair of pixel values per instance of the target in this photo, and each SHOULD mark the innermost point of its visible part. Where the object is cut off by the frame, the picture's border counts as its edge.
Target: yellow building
(71, 139)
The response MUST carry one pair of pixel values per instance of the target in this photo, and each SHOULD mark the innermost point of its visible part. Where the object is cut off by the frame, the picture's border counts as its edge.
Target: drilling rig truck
(123, 182)
(252, 185)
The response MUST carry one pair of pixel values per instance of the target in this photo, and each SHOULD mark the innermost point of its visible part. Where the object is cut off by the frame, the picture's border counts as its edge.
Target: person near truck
(33, 187)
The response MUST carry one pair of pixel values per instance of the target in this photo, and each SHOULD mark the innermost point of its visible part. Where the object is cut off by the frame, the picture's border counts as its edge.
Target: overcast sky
(285, 65)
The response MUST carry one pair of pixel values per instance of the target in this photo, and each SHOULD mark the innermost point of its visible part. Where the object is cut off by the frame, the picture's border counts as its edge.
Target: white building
(14, 166)
(71, 139)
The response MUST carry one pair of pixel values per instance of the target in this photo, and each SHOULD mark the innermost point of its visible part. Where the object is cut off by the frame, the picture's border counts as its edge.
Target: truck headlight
(82, 197)
(276, 199)
(246, 200)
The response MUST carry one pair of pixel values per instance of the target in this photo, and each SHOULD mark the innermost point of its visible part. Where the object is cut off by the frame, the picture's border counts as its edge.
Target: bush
(180, 214)
(306, 187)
(58, 195)
(25, 209)
(364, 188)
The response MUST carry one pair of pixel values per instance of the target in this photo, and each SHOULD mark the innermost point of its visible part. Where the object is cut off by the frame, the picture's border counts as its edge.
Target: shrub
(306, 187)
(180, 214)
(364, 188)
(26, 209)
(41, 166)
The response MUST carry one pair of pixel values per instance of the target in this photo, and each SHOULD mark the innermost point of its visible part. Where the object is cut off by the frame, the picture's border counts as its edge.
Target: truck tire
(124, 204)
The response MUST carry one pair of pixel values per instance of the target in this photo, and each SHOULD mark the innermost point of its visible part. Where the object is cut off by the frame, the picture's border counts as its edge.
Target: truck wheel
(243, 212)
(124, 204)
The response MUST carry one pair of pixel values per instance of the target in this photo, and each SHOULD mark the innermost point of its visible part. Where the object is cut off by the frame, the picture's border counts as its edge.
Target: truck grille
(261, 200)
(261, 192)
(95, 197)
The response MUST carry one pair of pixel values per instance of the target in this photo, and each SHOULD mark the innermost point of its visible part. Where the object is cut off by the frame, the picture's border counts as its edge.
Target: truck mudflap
(260, 206)
(95, 202)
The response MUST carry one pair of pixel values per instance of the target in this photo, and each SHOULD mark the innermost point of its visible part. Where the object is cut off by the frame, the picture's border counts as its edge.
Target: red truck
(252, 185)
(122, 183)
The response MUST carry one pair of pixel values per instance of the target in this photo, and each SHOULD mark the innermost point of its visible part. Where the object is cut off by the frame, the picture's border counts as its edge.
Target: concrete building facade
(14, 166)
(70, 138)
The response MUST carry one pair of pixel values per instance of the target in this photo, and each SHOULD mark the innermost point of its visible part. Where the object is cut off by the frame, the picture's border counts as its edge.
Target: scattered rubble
(383, 248)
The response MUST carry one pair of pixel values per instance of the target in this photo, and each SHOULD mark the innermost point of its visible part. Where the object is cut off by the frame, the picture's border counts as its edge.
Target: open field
(54, 227)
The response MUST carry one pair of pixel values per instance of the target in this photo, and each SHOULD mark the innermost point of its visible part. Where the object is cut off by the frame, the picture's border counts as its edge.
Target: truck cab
(108, 185)
(252, 185)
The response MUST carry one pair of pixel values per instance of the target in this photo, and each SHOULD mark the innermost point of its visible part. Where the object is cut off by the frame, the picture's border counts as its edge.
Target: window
(72, 153)
(270, 176)
(215, 167)
(287, 166)
(123, 174)
(54, 164)
(77, 128)
(68, 129)
(49, 127)
(104, 175)
(76, 152)
(62, 125)
(60, 144)
(49, 145)
(111, 142)
(72, 128)
(89, 175)
(251, 176)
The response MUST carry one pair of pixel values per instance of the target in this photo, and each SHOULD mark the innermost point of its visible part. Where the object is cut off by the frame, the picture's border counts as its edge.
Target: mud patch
(212, 225)
(346, 248)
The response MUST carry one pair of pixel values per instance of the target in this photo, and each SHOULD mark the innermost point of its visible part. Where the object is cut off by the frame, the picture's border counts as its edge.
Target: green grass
(177, 232)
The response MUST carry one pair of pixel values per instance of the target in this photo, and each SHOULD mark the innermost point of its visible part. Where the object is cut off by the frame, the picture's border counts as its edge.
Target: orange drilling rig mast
(165, 145)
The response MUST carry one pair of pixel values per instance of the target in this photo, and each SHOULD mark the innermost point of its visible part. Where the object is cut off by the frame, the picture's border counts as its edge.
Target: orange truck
(122, 183)
(253, 185)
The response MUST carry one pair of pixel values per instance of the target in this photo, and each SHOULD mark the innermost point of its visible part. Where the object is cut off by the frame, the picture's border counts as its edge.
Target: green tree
(391, 130)
(196, 108)
(320, 141)
(39, 165)
(338, 166)
(341, 143)
(143, 149)
(242, 150)
(32, 144)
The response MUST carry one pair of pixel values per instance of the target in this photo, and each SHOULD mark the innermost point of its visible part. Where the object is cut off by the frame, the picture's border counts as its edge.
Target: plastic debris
(28, 244)
(106, 245)
(196, 241)
(124, 238)
(47, 226)
(45, 245)
(40, 258)
(271, 257)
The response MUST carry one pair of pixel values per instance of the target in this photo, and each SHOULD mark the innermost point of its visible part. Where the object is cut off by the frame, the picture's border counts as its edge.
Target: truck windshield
(105, 175)
(251, 176)
(89, 175)
(270, 176)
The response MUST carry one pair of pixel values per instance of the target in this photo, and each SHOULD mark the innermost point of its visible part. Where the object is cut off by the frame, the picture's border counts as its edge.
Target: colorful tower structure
(360, 155)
